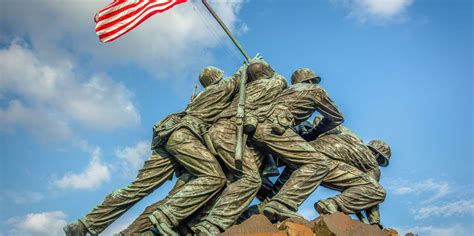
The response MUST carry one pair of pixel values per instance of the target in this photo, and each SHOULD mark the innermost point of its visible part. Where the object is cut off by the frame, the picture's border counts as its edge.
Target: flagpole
(227, 31)
(241, 138)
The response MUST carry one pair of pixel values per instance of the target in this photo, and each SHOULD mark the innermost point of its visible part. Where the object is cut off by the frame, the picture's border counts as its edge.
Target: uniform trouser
(191, 154)
(373, 214)
(293, 150)
(142, 223)
(154, 173)
(358, 190)
(238, 195)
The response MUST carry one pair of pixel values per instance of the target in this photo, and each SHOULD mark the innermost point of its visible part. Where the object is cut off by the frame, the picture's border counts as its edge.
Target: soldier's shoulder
(278, 76)
(226, 80)
(319, 90)
(304, 86)
(222, 84)
(171, 116)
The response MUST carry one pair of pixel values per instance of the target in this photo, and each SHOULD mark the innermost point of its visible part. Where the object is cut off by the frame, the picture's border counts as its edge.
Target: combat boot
(206, 228)
(76, 228)
(327, 206)
(276, 211)
(162, 224)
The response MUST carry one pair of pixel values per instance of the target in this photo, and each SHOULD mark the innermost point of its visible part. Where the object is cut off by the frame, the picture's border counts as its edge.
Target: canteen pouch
(250, 123)
(164, 128)
(283, 121)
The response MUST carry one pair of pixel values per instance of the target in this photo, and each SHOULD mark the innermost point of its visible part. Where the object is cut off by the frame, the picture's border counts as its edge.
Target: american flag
(121, 16)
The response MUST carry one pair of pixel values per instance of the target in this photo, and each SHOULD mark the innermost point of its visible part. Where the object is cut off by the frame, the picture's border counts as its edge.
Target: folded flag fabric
(121, 16)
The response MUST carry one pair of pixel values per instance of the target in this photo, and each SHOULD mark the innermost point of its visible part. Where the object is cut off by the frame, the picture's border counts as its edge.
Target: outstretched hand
(256, 58)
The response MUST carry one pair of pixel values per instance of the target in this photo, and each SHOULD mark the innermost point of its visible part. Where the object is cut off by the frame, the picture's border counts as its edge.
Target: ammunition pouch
(283, 119)
(163, 129)
(250, 123)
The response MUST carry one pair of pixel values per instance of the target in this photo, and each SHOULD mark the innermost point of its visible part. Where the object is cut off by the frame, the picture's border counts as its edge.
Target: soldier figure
(262, 88)
(188, 143)
(154, 173)
(360, 162)
(353, 171)
(208, 76)
(185, 143)
(274, 135)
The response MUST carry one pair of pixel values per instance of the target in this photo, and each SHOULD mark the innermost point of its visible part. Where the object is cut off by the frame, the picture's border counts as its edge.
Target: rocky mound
(337, 224)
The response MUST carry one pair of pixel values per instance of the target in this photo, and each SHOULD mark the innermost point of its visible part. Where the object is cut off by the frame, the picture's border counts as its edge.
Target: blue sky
(76, 114)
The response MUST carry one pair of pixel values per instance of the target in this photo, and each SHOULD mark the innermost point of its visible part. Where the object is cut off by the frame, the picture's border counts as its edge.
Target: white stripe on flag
(134, 12)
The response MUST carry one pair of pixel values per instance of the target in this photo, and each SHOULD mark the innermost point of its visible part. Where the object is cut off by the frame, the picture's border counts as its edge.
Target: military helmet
(259, 70)
(210, 75)
(304, 74)
(383, 149)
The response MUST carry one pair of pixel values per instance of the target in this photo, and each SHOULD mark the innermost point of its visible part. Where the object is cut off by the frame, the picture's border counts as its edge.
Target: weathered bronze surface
(213, 190)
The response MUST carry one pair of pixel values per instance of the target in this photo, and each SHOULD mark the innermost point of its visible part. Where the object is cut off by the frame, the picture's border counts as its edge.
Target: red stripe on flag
(125, 26)
(129, 15)
(107, 14)
(120, 19)
(108, 28)
(139, 22)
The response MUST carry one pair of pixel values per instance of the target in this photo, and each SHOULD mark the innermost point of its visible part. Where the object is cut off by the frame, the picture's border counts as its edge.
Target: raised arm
(332, 117)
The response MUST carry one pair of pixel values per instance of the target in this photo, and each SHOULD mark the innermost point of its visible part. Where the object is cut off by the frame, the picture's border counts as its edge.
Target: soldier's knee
(252, 181)
(255, 179)
(222, 181)
(381, 193)
(322, 162)
(219, 179)
(320, 168)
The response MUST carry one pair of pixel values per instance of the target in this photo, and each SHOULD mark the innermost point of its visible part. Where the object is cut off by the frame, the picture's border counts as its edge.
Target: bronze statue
(262, 88)
(366, 159)
(224, 145)
(187, 146)
(155, 172)
(208, 198)
(275, 135)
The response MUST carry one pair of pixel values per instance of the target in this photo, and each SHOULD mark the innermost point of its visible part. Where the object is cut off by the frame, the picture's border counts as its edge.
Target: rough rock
(300, 221)
(294, 229)
(257, 225)
(390, 232)
(341, 224)
(337, 224)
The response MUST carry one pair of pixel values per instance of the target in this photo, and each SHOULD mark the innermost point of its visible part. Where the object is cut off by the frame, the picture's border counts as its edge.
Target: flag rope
(230, 50)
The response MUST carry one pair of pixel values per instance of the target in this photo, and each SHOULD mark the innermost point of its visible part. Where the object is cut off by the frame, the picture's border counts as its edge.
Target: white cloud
(457, 230)
(95, 174)
(436, 189)
(458, 208)
(172, 42)
(41, 123)
(38, 224)
(48, 100)
(134, 157)
(45, 78)
(377, 11)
